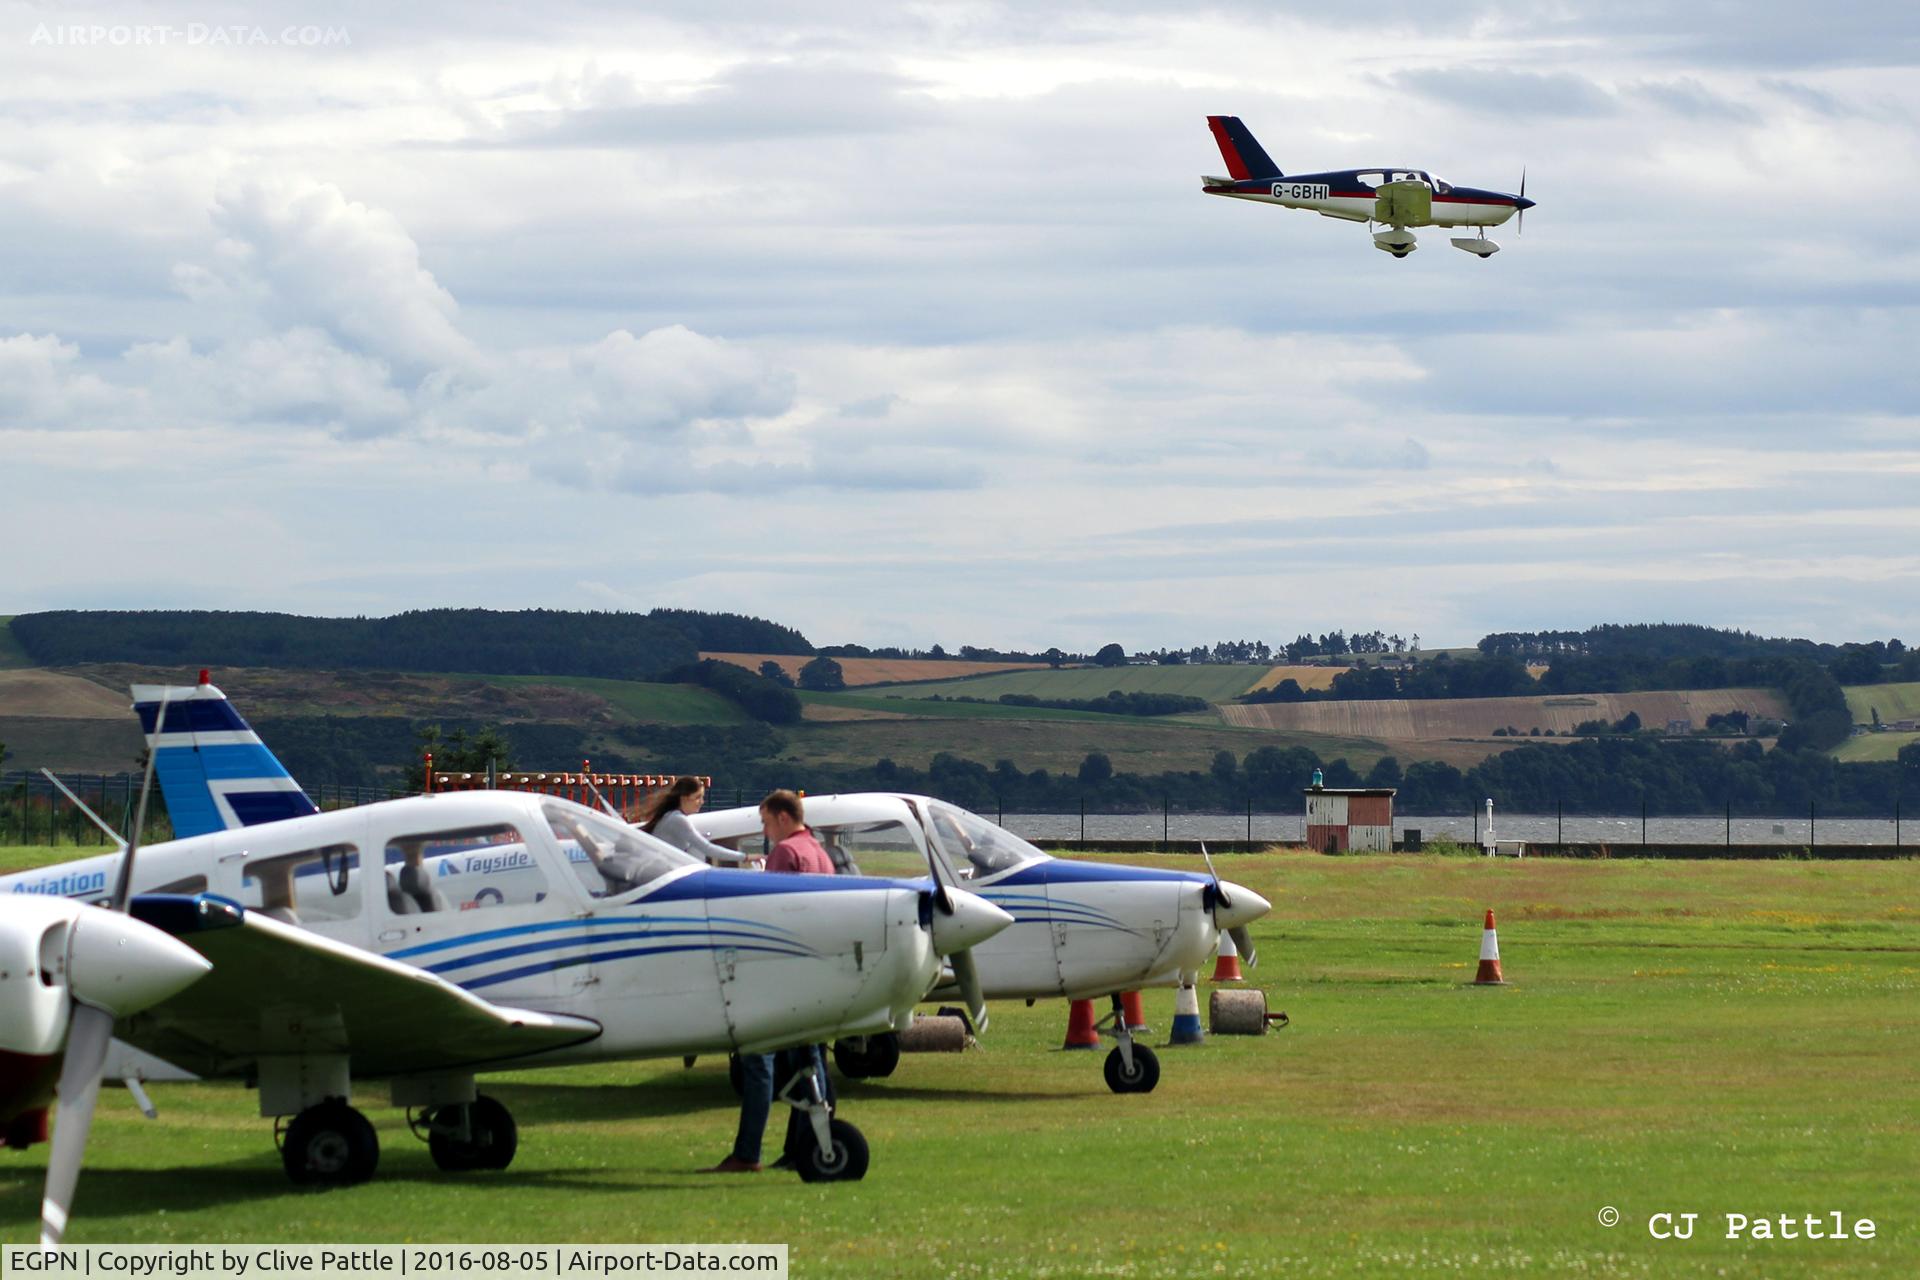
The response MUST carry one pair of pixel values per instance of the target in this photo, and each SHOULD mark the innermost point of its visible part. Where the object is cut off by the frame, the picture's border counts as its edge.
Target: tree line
(625, 646)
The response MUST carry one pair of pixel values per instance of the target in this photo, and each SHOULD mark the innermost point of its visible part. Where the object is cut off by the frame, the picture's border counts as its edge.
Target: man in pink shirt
(793, 845)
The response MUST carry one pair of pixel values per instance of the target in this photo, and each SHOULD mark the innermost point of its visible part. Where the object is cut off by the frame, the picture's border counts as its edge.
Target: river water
(1582, 829)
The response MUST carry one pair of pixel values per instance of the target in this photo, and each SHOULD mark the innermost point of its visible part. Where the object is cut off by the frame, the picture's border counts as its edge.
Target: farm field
(1214, 683)
(1421, 720)
(1873, 746)
(1723, 1037)
(862, 671)
(1133, 744)
(1893, 701)
(1305, 677)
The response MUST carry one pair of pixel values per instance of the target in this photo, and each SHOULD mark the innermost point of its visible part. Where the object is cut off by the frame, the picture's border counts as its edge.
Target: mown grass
(1706, 1038)
(1873, 746)
(1893, 701)
(1214, 683)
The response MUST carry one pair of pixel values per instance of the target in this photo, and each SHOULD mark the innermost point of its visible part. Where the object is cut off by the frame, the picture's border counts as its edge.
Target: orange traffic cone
(1227, 967)
(1489, 974)
(1136, 1013)
(1080, 1032)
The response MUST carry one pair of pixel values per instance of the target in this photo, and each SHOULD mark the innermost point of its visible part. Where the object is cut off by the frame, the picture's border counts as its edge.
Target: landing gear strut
(1130, 1068)
(838, 1152)
(330, 1145)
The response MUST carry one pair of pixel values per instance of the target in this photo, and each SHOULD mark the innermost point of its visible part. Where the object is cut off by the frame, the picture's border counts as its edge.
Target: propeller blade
(971, 992)
(87, 1038)
(1219, 895)
(942, 896)
(123, 885)
(1243, 943)
(1521, 224)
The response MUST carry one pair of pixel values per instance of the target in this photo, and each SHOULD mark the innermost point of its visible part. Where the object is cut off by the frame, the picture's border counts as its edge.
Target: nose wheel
(1130, 1067)
(838, 1152)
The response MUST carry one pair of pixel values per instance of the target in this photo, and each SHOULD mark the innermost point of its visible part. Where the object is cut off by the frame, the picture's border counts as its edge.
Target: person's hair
(668, 800)
(786, 802)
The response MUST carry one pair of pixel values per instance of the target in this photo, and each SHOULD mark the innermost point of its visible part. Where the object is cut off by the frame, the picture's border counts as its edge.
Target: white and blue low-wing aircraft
(428, 939)
(1081, 930)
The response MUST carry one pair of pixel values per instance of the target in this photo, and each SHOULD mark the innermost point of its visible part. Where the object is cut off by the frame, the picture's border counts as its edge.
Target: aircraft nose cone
(1243, 906)
(972, 922)
(118, 964)
(1523, 203)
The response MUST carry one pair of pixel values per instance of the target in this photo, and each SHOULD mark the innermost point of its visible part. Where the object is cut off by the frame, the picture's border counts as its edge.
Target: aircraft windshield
(610, 856)
(975, 846)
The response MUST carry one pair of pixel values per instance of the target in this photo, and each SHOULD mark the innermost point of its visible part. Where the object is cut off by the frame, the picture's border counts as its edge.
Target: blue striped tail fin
(212, 768)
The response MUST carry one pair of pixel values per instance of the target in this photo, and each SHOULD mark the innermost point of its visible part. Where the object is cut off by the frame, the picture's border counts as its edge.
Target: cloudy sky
(909, 323)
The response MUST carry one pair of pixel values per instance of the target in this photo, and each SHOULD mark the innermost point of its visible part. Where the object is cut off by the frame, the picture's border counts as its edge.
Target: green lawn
(1894, 701)
(11, 654)
(1214, 683)
(1708, 1038)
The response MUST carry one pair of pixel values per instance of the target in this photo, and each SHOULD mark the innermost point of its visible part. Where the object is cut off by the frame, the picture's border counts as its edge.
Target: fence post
(1166, 822)
(1249, 822)
(1083, 817)
(1729, 824)
(1643, 823)
(1810, 811)
(1559, 822)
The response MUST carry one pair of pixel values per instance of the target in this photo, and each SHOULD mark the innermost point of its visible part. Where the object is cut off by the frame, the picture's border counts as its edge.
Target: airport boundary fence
(34, 812)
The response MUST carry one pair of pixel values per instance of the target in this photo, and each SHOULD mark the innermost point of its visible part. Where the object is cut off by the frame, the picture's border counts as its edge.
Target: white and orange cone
(1186, 1015)
(1227, 967)
(1135, 1010)
(1489, 974)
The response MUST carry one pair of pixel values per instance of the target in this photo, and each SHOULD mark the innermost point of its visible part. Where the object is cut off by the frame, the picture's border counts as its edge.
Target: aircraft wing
(277, 989)
(1403, 204)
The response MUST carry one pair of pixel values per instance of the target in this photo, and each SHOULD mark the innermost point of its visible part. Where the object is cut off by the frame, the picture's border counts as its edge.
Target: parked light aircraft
(1082, 930)
(426, 939)
(1397, 196)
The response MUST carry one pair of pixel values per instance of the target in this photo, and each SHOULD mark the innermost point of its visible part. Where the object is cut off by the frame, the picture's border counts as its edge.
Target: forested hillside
(626, 646)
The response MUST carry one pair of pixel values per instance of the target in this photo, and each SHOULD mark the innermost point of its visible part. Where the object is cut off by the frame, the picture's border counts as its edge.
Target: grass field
(1873, 746)
(1719, 1037)
(1214, 683)
(1427, 719)
(1893, 701)
(644, 702)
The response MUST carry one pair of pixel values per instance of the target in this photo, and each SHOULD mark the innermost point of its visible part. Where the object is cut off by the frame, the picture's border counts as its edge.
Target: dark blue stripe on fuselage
(712, 883)
(1058, 871)
(598, 957)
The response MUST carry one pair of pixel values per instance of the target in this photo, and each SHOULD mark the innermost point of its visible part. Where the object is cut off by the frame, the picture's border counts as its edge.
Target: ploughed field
(1705, 1037)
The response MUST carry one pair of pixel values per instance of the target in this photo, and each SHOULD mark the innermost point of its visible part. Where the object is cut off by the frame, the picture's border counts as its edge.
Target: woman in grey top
(666, 817)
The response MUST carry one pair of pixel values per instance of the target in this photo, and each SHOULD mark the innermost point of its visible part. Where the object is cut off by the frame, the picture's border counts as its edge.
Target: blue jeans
(756, 1099)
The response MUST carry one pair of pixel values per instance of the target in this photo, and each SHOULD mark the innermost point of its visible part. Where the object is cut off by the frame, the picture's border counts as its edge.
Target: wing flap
(277, 989)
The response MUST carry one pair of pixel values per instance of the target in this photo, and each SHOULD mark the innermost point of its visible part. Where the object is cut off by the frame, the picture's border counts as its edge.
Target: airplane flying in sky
(426, 939)
(1082, 930)
(1394, 195)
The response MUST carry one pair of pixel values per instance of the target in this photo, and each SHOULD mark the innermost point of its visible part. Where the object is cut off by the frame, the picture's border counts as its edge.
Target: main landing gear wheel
(867, 1057)
(846, 1162)
(330, 1145)
(1140, 1078)
(490, 1142)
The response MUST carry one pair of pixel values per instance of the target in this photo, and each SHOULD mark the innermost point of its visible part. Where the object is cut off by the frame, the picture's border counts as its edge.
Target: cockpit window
(975, 846)
(610, 857)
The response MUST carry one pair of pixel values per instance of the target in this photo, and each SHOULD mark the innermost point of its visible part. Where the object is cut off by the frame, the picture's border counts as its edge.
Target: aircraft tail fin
(212, 768)
(1245, 157)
